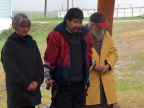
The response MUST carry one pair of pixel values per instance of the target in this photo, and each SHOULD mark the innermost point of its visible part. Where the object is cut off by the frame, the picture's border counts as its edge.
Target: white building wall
(5, 14)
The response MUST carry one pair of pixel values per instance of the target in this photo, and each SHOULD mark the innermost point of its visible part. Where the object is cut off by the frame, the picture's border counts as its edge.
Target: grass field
(129, 69)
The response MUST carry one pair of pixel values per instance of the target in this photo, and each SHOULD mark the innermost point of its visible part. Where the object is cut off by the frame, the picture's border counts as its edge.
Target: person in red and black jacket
(67, 60)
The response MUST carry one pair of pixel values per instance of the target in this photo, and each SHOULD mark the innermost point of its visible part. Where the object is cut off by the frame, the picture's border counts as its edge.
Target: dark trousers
(70, 96)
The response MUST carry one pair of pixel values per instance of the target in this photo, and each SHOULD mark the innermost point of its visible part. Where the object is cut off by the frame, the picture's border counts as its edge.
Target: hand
(105, 69)
(30, 87)
(33, 86)
(50, 82)
(98, 68)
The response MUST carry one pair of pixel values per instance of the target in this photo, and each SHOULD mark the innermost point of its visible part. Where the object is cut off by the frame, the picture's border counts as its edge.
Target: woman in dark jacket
(23, 66)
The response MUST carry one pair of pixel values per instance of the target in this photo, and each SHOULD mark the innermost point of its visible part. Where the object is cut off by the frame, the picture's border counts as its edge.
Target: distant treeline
(37, 14)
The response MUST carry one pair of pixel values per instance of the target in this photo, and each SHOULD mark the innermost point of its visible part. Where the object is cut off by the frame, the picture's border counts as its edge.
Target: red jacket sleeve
(51, 54)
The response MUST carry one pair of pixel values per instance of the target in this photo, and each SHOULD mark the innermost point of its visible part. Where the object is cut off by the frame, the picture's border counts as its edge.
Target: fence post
(124, 12)
(132, 12)
(140, 10)
(117, 12)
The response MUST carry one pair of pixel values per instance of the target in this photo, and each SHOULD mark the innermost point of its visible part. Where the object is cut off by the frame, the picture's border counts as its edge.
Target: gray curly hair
(20, 19)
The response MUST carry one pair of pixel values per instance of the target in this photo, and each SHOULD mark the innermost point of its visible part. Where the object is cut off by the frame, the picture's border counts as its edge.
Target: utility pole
(67, 5)
(45, 8)
(72, 3)
(62, 7)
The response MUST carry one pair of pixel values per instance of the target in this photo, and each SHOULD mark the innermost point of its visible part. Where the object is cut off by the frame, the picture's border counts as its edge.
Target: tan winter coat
(109, 53)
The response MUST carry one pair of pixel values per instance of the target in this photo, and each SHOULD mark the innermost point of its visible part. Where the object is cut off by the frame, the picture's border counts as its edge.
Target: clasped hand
(101, 69)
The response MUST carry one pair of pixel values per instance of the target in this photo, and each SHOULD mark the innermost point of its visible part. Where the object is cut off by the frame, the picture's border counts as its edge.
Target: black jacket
(22, 64)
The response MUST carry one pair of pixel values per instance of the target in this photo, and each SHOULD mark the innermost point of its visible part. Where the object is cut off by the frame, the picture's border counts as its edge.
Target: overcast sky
(38, 5)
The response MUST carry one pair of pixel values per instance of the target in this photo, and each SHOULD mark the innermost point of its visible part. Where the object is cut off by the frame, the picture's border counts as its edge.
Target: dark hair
(73, 13)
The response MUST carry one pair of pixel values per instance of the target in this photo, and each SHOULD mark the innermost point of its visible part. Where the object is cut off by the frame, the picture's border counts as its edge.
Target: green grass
(3, 98)
(48, 19)
(130, 82)
(129, 38)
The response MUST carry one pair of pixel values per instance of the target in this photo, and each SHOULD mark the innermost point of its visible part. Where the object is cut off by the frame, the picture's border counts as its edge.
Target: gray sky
(38, 5)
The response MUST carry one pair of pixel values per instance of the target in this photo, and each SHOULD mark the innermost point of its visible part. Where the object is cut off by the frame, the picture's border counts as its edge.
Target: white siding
(5, 8)
(5, 14)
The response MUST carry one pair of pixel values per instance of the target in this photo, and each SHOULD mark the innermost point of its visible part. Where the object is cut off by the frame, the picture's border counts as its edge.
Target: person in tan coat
(102, 91)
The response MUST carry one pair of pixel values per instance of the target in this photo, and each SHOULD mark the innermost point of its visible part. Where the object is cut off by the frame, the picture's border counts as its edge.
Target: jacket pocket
(62, 74)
